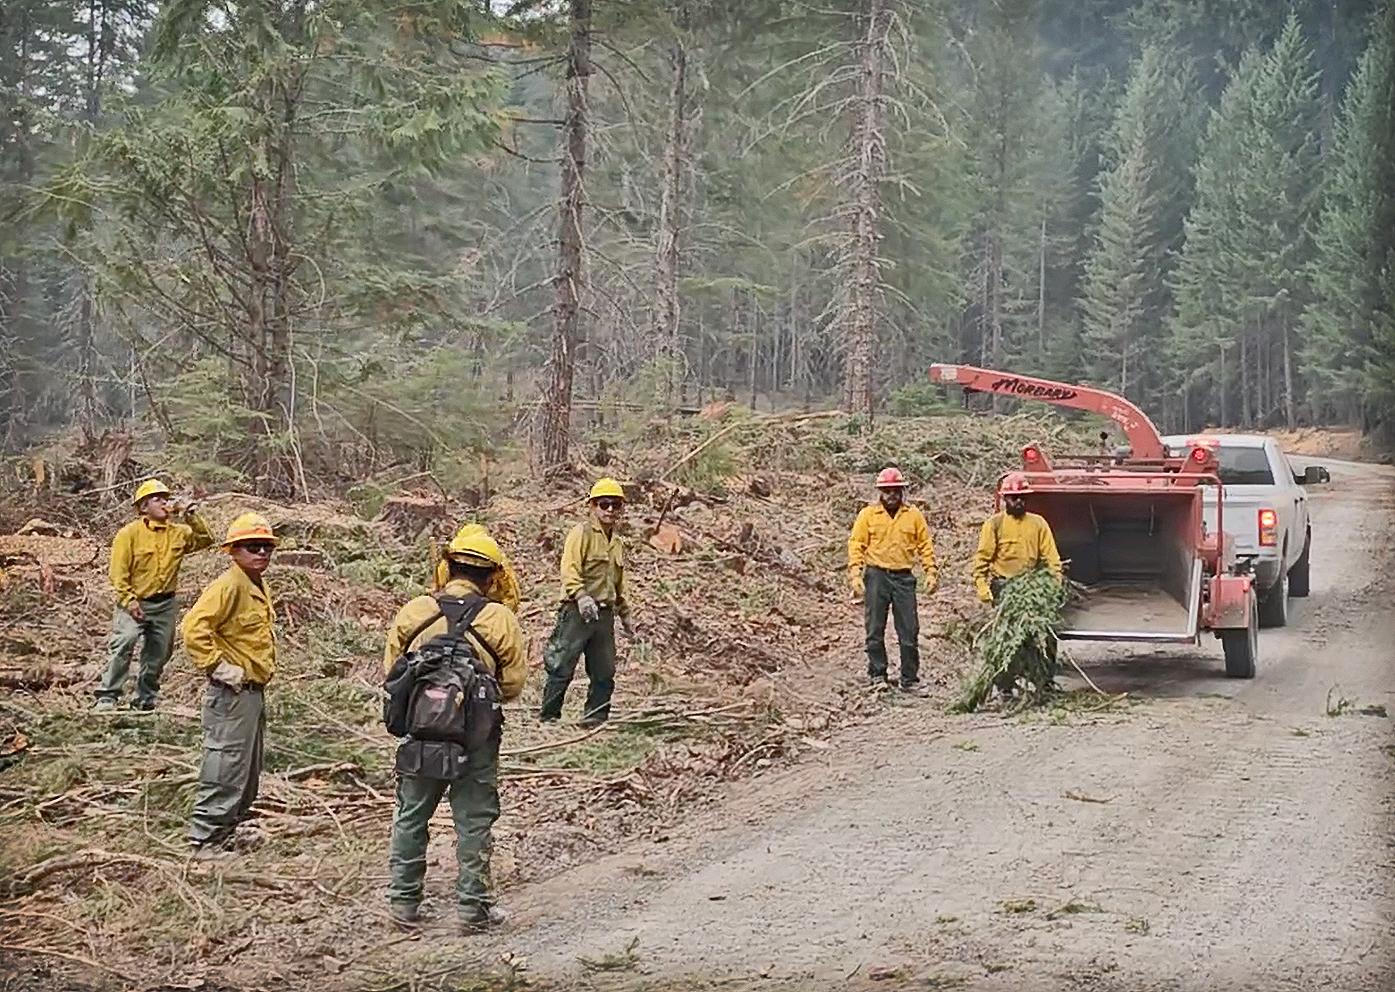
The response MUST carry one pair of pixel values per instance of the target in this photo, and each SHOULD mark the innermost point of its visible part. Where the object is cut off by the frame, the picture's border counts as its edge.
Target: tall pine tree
(1349, 339)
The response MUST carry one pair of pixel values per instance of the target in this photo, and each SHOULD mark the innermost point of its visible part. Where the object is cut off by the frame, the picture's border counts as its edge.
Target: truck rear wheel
(1273, 607)
(1298, 575)
(1241, 651)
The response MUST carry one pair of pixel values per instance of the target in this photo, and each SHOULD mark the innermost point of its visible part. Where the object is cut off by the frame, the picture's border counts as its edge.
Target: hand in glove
(859, 586)
(586, 606)
(928, 584)
(985, 595)
(627, 628)
(228, 675)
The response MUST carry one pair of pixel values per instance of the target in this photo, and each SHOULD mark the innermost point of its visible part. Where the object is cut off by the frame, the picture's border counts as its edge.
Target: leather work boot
(479, 918)
(405, 915)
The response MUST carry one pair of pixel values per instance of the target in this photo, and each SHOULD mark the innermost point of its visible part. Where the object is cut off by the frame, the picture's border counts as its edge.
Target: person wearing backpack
(593, 597)
(453, 658)
(1011, 542)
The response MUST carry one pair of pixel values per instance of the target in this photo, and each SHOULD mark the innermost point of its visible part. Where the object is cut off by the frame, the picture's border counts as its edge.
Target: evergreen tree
(1242, 275)
(1142, 192)
(1348, 346)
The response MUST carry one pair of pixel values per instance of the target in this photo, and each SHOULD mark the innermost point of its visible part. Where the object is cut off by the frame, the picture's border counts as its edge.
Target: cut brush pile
(1017, 648)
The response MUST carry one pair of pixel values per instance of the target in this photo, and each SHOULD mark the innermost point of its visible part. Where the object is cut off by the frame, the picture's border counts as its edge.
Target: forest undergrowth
(747, 654)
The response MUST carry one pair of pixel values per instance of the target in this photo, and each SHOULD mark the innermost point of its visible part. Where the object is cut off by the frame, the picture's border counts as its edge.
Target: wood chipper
(1130, 525)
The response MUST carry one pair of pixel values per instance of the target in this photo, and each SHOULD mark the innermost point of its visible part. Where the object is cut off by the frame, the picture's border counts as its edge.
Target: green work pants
(894, 591)
(571, 638)
(156, 632)
(234, 726)
(474, 806)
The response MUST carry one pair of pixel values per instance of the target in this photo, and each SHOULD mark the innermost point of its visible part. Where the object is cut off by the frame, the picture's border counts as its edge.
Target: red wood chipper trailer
(1130, 525)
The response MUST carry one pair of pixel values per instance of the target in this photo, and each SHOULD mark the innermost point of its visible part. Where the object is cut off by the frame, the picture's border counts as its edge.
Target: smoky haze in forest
(437, 229)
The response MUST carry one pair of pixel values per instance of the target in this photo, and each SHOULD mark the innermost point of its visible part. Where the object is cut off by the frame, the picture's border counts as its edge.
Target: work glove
(627, 628)
(985, 595)
(859, 586)
(133, 608)
(228, 675)
(928, 584)
(586, 606)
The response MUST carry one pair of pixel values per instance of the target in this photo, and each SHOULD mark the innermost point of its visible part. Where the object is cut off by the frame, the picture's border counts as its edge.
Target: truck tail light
(1268, 528)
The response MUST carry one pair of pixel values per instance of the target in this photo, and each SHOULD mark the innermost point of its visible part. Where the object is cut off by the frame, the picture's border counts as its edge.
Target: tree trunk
(666, 303)
(869, 158)
(85, 407)
(554, 441)
(1244, 379)
(1225, 388)
(1290, 413)
(1041, 291)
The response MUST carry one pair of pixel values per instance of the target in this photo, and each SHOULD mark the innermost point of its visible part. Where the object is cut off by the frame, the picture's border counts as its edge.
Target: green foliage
(1349, 326)
(1017, 648)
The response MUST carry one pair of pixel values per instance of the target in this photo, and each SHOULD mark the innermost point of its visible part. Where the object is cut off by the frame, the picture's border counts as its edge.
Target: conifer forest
(302, 238)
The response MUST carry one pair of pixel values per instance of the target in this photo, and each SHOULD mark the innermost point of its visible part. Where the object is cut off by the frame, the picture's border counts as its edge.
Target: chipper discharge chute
(1131, 528)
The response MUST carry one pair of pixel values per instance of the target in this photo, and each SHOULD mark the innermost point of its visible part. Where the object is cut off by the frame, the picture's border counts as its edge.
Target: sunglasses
(257, 547)
(609, 503)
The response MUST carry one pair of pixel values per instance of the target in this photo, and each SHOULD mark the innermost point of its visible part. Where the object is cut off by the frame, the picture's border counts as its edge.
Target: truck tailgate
(1242, 506)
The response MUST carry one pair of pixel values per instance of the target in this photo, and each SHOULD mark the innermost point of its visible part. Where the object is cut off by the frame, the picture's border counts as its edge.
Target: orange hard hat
(249, 527)
(891, 478)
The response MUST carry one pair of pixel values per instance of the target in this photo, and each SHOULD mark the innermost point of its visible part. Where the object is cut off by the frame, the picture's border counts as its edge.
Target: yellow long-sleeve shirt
(593, 563)
(145, 555)
(894, 543)
(233, 621)
(1008, 546)
(495, 625)
(503, 588)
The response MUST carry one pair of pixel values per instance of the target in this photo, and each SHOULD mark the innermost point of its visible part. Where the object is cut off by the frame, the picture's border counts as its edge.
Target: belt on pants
(891, 571)
(159, 597)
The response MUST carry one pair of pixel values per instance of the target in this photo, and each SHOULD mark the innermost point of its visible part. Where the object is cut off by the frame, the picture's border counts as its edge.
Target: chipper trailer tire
(1132, 528)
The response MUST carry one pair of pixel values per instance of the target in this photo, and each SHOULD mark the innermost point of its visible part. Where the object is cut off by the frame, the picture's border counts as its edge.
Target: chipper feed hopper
(1130, 527)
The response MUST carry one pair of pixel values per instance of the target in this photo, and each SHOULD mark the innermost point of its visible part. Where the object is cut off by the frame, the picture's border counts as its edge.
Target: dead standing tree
(863, 184)
(554, 431)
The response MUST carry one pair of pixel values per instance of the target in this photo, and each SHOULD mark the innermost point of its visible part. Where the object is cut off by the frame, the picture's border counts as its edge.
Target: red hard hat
(891, 478)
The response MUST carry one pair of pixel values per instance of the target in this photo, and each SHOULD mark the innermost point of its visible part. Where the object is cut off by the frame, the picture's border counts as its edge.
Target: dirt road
(1216, 835)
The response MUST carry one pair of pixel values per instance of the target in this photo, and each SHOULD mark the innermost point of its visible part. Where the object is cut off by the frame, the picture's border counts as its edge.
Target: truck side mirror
(1315, 475)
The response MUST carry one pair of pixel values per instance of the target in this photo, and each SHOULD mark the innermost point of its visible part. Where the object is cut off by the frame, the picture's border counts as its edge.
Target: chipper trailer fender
(1131, 527)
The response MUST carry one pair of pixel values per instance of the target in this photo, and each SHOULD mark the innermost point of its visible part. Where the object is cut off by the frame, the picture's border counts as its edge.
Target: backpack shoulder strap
(462, 613)
(418, 629)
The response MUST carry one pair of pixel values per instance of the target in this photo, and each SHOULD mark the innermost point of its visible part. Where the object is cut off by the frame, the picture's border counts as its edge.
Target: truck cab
(1266, 513)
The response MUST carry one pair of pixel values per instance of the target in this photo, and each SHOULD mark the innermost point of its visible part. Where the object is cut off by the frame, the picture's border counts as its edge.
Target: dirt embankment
(747, 645)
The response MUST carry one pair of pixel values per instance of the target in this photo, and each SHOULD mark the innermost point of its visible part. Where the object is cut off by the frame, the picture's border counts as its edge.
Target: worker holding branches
(1011, 542)
(887, 540)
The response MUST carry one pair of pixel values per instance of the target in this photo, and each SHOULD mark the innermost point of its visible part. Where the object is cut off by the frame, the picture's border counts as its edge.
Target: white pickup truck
(1266, 512)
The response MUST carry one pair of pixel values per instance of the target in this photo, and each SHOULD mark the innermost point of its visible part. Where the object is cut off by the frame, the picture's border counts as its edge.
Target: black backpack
(442, 691)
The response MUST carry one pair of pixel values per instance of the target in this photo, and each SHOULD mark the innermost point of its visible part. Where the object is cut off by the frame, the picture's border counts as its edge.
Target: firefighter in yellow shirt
(231, 639)
(887, 541)
(503, 586)
(145, 559)
(1010, 543)
(472, 560)
(593, 598)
